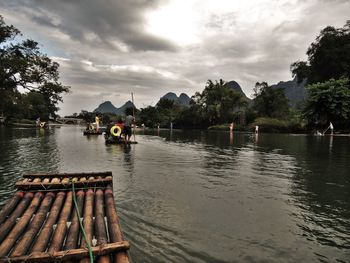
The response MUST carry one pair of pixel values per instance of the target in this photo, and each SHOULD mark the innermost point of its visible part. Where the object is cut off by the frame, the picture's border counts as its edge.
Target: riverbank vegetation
(30, 88)
(29, 79)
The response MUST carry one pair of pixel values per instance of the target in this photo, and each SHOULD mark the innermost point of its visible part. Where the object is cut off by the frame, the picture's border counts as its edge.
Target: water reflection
(197, 196)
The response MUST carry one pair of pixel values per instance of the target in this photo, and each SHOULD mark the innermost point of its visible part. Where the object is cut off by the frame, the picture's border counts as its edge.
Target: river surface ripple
(195, 196)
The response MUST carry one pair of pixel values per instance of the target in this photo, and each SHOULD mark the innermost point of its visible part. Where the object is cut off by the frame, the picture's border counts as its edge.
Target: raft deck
(41, 223)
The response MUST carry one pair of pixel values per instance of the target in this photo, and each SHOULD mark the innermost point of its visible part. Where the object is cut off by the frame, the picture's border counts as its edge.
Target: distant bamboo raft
(43, 226)
(92, 132)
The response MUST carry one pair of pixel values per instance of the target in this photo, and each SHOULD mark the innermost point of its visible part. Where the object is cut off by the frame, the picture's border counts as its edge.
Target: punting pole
(60, 232)
(16, 232)
(23, 245)
(88, 222)
(73, 233)
(114, 230)
(100, 228)
(45, 234)
(10, 206)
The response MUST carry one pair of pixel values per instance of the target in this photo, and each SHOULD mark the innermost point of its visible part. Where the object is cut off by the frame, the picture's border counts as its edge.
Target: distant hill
(183, 99)
(108, 107)
(294, 91)
(235, 86)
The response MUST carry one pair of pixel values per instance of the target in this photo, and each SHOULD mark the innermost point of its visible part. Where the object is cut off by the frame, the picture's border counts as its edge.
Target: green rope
(81, 226)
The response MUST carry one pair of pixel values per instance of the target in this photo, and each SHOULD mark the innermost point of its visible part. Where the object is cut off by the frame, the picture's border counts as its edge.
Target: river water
(198, 196)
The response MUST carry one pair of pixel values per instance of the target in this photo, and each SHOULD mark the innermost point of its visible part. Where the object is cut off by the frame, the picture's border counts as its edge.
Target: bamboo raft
(42, 224)
(92, 132)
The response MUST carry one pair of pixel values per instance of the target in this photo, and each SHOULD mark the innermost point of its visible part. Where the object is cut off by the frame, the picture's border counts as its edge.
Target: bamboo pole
(46, 180)
(88, 222)
(67, 174)
(73, 233)
(55, 180)
(60, 231)
(60, 185)
(34, 227)
(100, 228)
(16, 232)
(45, 234)
(74, 254)
(114, 230)
(10, 206)
(11, 221)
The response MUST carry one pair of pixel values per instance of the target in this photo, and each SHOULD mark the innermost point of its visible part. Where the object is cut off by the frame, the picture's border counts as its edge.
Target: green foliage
(218, 102)
(226, 127)
(328, 101)
(328, 56)
(149, 116)
(276, 125)
(24, 68)
(270, 102)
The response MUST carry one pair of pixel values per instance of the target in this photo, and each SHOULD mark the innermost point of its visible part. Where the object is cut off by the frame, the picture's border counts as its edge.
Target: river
(199, 196)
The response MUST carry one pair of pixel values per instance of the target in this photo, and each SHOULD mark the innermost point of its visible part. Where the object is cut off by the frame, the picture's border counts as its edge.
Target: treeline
(30, 88)
(326, 72)
(29, 80)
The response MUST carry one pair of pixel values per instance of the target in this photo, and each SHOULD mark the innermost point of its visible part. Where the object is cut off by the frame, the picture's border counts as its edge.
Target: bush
(226, 127)
(276, 125)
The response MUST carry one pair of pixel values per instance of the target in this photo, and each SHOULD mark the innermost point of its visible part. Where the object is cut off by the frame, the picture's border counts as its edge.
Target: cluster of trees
(29, 80)
(327, 71)
(30, 88)
(217, 104)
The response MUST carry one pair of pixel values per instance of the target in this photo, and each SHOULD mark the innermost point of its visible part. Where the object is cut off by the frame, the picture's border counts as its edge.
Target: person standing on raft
(129, 120)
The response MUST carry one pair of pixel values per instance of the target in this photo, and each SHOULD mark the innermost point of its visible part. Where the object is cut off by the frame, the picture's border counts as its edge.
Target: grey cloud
(122, 20)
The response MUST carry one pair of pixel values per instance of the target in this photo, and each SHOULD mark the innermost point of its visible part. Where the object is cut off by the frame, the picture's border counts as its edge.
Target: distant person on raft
(129, 121)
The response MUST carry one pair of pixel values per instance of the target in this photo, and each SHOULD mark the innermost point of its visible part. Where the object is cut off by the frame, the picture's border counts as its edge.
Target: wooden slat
(73, 254)
(87, 174)
(60, 185)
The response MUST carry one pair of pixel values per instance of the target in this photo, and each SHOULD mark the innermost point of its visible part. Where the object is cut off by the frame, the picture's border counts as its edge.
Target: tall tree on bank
(23, 69)
(270, 102)
(328, 101)
(217, 102)
(328, 56)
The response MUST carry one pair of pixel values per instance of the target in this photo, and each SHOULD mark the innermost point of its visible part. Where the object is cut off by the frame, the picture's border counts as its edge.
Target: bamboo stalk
(46, 180)
(16, 232)
(88, 222)
(10, 206)
(65, 180)
(45, 234)
(67, 174)
(55, 180)
(60, 185)
(114, 230)
(34, 227)
(73, 233)
(60, 231)
(74, 254)
(100, 228)
(11, 221)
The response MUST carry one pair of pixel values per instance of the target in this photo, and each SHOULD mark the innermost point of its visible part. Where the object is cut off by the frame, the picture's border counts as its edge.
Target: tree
(270, 102)
(328, 56)
(217, 102)
(328, 101)
(23, 69)
(149, 116)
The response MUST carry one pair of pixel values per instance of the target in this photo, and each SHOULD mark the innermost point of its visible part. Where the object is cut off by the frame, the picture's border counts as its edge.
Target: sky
(108, 49)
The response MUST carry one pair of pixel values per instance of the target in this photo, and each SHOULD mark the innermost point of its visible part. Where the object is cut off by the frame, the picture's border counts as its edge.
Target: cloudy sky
(110, 48)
